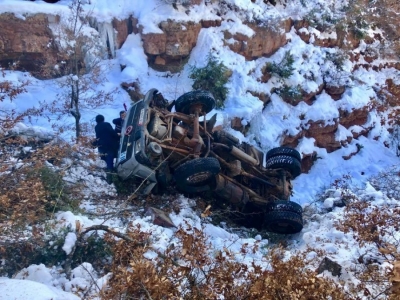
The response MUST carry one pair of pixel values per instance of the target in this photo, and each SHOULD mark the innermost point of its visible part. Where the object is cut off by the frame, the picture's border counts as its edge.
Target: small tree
(284, 69)
(8, 92)
(213, 78)
(80, 69)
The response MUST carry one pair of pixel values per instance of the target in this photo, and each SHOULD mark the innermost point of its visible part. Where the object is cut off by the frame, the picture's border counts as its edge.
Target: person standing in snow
(118, 122)
(106, 141)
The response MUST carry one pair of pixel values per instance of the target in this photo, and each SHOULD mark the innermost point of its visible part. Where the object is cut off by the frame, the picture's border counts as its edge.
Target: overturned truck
(182, 148)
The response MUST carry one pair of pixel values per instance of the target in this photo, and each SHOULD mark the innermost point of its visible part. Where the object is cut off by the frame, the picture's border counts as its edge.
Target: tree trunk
(74, 110)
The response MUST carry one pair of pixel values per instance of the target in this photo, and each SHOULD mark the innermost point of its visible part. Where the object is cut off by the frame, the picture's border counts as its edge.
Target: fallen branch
(69, 258)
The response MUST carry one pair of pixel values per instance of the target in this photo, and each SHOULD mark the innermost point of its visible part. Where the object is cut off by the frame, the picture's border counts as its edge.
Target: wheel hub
(199, 177)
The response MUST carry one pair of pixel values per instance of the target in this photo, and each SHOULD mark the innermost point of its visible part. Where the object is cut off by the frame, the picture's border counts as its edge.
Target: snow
(30, 289)
(70, 241)
(267, 125)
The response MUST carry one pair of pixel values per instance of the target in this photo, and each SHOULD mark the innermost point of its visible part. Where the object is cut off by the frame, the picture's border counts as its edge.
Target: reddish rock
(392, 93)
(124, 28)
(160, 61)
(309, 97)
(355, 117)
(335, 92)
(324, 135)
(303, 34)
(370, 55)
(287, 25)
(292, 141)
(371, 39)
(236, 123)
(319, 127)
(329, 42)
(210, 23)
(265, 76)
(291, 98)
(133, 90)
(363, 132)
(347, 40)
(121, 27)
(298, 24)
(308, 161)
(265, 41)
(354, 56)
(154, 43)
(265, 98)
(182, 34)
(174, 44)
(27, 41)
(298, 95)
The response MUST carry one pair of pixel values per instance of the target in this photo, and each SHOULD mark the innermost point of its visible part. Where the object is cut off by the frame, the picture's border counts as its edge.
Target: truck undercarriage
(182, 148)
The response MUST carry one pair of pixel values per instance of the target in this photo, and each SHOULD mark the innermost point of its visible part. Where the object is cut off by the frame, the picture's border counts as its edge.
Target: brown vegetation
(189, 269)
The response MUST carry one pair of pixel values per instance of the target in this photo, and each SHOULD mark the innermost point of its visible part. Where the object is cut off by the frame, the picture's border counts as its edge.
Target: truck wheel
(288, 163)
(284, 205)
(186, 103)
(283, 222)
(284, 151)
(195, 175)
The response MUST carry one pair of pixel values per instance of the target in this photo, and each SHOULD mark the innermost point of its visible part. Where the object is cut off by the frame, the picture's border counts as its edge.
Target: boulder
(329, 265)
(159, 217)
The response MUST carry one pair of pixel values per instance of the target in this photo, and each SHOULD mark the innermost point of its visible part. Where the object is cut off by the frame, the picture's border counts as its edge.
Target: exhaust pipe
(238, 153)
(243, 156)
(230, 191)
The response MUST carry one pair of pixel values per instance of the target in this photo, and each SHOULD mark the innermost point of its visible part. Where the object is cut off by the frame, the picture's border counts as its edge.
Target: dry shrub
(375, 227)
(18, 253)
(369, 223)
(382, 15)
(33, 189)
(32, 182)
(9, 91)
(190, 269)
(23, 196)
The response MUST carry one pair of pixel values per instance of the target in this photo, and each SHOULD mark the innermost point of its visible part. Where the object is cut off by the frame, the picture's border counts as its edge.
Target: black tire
(283, 205)
(284, 151)
(283, 222)
(289, 163)
(185, 103)
(195, 176)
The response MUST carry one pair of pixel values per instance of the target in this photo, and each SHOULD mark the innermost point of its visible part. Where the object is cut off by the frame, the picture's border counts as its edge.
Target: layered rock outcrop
(30, 40)
(27, 42)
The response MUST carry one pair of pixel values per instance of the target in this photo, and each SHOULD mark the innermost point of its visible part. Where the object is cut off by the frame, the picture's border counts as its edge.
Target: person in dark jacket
(106, 141)
(118, 122)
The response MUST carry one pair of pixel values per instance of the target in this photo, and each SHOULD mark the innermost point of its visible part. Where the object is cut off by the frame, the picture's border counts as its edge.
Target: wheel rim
(199, 178)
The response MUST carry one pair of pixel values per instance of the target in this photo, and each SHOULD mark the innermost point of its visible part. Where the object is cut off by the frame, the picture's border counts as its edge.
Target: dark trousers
(109, 159)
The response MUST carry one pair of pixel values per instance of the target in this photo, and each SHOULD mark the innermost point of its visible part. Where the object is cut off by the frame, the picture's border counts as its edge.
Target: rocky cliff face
(29, 42)
(26, 42)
